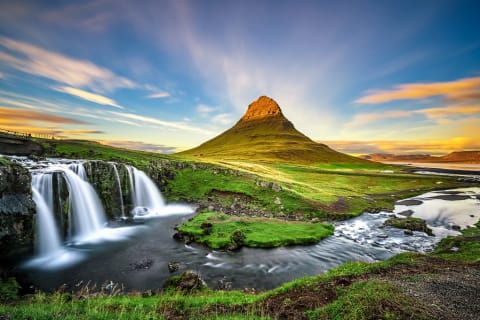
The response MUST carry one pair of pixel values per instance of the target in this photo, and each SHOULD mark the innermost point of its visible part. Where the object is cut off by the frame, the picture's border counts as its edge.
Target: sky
(362, 76)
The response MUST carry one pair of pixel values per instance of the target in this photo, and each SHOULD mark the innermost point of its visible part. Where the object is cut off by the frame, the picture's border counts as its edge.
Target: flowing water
(120, 254)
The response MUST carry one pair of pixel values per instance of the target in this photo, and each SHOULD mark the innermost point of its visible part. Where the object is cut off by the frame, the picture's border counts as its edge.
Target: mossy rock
(414, 224)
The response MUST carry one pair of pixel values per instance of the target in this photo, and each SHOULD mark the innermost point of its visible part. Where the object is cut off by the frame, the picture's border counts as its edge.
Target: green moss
(410, 223)
(232, 232)
(9, 289)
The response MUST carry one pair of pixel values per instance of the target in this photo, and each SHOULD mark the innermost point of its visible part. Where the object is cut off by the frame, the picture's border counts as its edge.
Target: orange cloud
(465, 89)
(434, 147)
(450, 111)
(10, 115)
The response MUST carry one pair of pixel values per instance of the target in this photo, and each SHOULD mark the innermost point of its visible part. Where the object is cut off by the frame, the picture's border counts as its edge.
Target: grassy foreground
(221, 231)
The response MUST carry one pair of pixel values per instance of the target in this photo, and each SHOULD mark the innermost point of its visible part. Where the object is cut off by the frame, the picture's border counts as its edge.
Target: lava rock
(173, 266)
(187, 281)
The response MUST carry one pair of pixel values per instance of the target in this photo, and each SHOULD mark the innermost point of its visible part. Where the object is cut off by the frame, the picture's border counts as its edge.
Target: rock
(406, 213)
(173, 266)
(187, 281)
(277, 201)
(413, 224)
(223, 284)
(276, 187)
(206, 227)
(456, 228)
(236, 239)
(382, 235)
(143, 264)
(408, 232)
(409, 202)
(17, 211)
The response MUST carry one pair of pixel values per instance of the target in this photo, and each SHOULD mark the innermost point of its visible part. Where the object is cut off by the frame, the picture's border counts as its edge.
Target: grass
(220, 231)
(461, 248)
(82, 149)
(371, 300)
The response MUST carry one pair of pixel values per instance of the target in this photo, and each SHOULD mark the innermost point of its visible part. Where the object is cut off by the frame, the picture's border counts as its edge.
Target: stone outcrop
(17, 211)
(19, 147)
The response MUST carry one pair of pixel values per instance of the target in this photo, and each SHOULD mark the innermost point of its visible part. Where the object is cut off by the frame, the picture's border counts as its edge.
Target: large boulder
(17, 211)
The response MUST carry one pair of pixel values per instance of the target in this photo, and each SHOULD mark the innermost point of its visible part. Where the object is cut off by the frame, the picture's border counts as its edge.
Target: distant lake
(449, 166)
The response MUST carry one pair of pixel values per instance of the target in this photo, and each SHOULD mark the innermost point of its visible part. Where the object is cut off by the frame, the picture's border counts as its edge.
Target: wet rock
(413, 224)
(17, 211)
(408, 232)
(409, 202)
(143, 264)
(456, 228)
(224, 284)
(207, 228)
(406, 213)
(187, 281)
(173, 266)
(237, 239)
(382, 235)
(276, 187)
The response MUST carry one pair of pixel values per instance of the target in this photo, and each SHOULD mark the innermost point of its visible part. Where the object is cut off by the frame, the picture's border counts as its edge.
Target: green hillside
(265, 134)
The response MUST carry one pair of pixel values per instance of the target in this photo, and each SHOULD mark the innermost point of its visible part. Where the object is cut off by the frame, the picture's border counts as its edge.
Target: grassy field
(221, 231)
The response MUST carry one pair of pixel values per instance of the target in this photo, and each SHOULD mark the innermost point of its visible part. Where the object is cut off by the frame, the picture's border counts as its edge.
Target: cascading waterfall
(79, 169)
(48, 240)
(145, 193)
(69, 209)
(117, 178)
(86, 211)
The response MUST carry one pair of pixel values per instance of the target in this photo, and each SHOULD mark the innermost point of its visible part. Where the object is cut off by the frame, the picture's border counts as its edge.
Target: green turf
(256, 232)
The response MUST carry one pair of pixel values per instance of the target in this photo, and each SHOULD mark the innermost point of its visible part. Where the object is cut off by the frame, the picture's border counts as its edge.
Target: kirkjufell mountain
(265, 134)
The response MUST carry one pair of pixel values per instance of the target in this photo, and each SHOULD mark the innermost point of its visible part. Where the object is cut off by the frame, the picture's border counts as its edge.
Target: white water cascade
(117, 178)
(48, 240)
(79, 169)
(86, 211)
(145, 193)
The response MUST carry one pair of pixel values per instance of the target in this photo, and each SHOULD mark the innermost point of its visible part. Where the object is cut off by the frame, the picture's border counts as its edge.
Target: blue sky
(362, 76)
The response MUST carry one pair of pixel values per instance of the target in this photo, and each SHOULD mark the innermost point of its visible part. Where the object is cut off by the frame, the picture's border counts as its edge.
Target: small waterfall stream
(47, 231)
(147, 199)
(81, 210)
(117, 178)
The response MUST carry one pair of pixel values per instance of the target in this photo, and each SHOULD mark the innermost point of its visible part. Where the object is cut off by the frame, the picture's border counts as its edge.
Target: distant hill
(456, 156)
(265, 134)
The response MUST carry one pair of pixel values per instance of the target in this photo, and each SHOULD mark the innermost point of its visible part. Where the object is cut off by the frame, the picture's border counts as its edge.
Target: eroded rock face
(17, 211)
(263, 107)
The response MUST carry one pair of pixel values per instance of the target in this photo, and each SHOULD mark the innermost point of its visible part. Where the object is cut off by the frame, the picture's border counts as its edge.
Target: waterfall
(117, 177)
(145, 193)
(86, 211)
(48, 239)
(79, 169)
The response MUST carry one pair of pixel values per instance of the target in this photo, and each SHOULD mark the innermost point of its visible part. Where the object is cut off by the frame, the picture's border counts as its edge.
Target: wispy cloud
(366, 118)
(92, 97)
(58, 67)
(222, 119)
(205, 109)
(159, 95)
(163, 123)
(139, 145)
(461, 89)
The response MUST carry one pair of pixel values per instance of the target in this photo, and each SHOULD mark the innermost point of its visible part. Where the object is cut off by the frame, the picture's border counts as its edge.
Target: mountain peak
(263, 107)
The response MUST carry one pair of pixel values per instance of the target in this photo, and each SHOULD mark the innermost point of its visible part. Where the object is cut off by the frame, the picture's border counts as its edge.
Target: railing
(23, 135)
